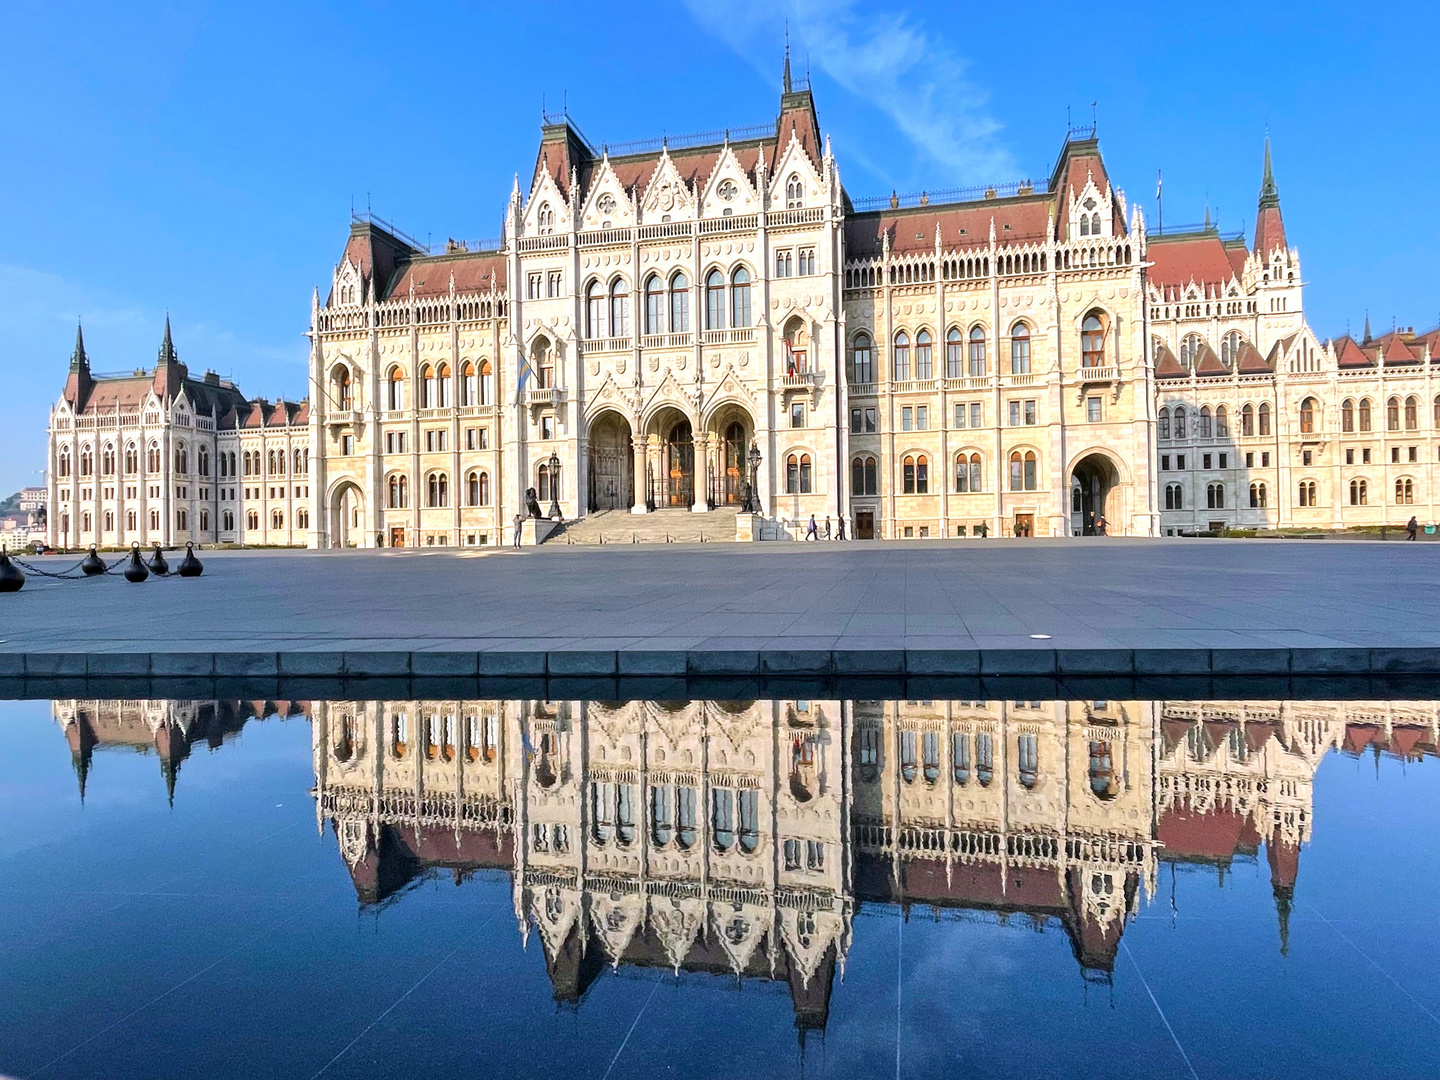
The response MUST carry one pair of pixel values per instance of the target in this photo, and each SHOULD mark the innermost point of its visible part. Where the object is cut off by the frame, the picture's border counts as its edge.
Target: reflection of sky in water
(219, 935)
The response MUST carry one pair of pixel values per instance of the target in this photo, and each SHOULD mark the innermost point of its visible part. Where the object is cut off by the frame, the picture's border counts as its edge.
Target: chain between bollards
(13, 580)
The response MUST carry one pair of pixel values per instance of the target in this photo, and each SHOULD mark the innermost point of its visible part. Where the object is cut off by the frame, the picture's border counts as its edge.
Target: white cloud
(883, 56)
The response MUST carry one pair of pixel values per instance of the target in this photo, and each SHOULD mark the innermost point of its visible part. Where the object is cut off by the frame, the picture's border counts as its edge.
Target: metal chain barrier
(136, 570)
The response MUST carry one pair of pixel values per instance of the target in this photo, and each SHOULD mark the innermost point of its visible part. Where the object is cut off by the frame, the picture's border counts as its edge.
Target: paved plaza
(1001, 607)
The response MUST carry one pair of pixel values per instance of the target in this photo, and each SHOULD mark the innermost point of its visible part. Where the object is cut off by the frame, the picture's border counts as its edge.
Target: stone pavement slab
(994, 608)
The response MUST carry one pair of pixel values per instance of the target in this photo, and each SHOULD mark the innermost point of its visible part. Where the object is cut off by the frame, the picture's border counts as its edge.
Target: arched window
(1264, 418)
(302, 518)
(152, 458)
(1307, 493)
(794, 192)
(1257, 495)
(806, 471)
(437, 490)
(1347, 415)
(546, 219)
(395, 394)
(204, 456)
(1180, 422)
(1307, 416)
(182, 460)
(908, 473)
(478, 489)
(1247, 420)
(487, 384)
(619, 308)
(960, 757)
(977, 351)
(1174, 497)
(1028, 759)
(1392, 414)
(863, 476)
(679, 304)
(902, 357)
(399, 493)
(1359, 492)
(132, 459)
(107, 460)
(1162, 423)
(1024, 473)
(715, 300)
(1222, 422)
(1435, 419)
(87, 461)
(792, 475)
(1102, 770)
(967, 473)
(252, 520)
(1404, 491)
(1230, 348)
(343, 400)
(924, 365)
(740, 298)
(954, 354)
(1019, 349)
(1412, 413)
(654, 305)
(1207, 428)
(1365, 421)
(63, 468)
(279, 465)
(442, 381)
(862, 369)
(429, 393)
(1084, 224)
(469, 388)
(1215, 496)
(399, 736)
(984, 758)
(1092, 342)
(277, 519)
(594, 311)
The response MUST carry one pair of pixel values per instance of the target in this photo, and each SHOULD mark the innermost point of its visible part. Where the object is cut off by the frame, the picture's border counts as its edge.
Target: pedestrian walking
(827, 526)
(518, 522)
(1411, 528)
(840, 528)
(1101, 526)
(813, 532)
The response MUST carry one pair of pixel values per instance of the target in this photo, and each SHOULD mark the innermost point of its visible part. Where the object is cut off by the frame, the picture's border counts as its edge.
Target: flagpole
(1159, 203)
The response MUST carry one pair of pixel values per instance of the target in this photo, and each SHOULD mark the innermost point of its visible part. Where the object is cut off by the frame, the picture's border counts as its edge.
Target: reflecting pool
(804, 888)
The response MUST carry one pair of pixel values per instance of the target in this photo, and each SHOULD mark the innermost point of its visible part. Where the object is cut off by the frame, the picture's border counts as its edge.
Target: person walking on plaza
(813, 532)
(840, 532)
(827, 526)
(1101, 526)
(518, 522)
(1411, 527)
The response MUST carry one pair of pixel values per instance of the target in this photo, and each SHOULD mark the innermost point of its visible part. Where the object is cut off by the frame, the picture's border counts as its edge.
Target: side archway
(611, 471)
(1097, 495)
(346, 516)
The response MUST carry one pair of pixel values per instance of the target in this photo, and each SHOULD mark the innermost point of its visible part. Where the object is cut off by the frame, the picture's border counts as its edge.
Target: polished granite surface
(398, 888)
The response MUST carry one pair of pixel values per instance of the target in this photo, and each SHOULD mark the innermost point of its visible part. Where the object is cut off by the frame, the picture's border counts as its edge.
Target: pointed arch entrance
(730, 429)
(1096, 496)
(612, 463)
(671, 479)
(346, 516)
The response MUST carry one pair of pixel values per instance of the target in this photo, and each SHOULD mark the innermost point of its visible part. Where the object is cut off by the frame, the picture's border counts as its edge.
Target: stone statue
(532, 503)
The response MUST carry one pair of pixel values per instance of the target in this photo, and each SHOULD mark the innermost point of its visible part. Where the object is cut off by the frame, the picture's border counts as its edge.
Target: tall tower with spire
(1269, 225)
(78, 382)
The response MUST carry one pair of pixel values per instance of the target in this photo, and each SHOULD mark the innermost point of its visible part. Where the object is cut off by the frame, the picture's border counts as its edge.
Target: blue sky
(202, 158)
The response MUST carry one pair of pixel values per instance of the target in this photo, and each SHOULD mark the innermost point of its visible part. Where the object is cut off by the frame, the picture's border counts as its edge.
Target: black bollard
(11, 579)
(92, 563)
(136, 570)
(158, 566)
(190, 566)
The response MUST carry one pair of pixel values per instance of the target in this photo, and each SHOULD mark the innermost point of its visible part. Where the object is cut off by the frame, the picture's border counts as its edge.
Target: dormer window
(794, 193)
(546, 219)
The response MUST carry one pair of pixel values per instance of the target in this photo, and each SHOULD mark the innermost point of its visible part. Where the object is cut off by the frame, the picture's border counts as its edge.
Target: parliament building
(672, 326)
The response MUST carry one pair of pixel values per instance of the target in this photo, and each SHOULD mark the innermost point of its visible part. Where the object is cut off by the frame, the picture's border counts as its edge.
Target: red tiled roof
(913, 230)
(1269, 230)
(1395, 351)
(474, 272)
(1249, 361)
(1215, 835)
(1202, 259)
(1349, 355)
(1207, 363)
(1166, 365)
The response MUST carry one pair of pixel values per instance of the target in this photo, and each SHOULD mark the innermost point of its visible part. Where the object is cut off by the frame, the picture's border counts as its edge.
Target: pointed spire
(81, 761)
(167, 347)
(785, 81)
(1269, 194)
(1284, 900)
(1366, 339)
(78, 360)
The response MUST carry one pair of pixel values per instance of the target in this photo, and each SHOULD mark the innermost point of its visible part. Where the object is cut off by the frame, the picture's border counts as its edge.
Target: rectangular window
(1414, 453)
(1350, 455)
(922, 421)
(975, 414)
(1164, 462)
(1364, 456)
(347, 445)
(1030, 412)
(856, 421)
(907, 418)
(1265, 459)
(869, 421)
(532, 287)
(797, 414)
(1205, 461)
(1180, 461)
(924, 531)
(959, 414)
(547, 427)
(1250, 460)
(1014, 414)
(909, 532)
(472, 438)
(1394, 455)
(1092, 410)
(1224, 461)
(1306, 457)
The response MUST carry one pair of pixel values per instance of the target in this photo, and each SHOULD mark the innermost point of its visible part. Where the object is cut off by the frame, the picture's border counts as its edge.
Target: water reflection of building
(168, 728)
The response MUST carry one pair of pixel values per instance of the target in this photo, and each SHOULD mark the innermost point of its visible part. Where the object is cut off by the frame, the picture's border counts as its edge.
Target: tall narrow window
(1028, 759)
(924, 366)
(902, 357)
(1265, 418)
(1019, 349)
(1347, 415)
(594, 311)
(740, 298)
(715, 301)
(977, 351)
(1392, 414)
(487, 383)
(1307, 416)
(654, 305)
(468, 386)
(863, 370)
(954, 354)
(1092, 342)
(679, 304)
(619, 309)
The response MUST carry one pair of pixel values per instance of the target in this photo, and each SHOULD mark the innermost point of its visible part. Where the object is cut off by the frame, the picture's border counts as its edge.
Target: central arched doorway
(672, 474)
(612, 463)
(347, 516)
(1094, 496)
(730, 430)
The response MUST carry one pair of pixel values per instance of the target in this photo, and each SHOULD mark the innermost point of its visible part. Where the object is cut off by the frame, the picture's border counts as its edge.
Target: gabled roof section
(798, 120)
(562, 148)
(1394, 350)
(1349, 354)
(377, 250)
(1248, 360)
(474, 272)
(1080, 160)
(962, 225)
(1207, 363)
(1166, 365)
(167, 381)
(1181, 258)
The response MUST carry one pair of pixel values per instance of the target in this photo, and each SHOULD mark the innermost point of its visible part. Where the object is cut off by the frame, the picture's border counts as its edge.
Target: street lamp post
(752, 503)
(554, 513)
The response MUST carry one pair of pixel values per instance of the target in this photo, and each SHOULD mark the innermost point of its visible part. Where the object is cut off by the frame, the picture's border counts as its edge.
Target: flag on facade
(1157, 183)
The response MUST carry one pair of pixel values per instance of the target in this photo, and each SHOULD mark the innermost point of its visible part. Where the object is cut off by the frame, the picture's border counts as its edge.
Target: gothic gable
(728, 189)
(667, 196)
(607, 205)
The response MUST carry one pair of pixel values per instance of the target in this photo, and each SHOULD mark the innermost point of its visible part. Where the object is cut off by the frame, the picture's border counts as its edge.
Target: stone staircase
(674, 526)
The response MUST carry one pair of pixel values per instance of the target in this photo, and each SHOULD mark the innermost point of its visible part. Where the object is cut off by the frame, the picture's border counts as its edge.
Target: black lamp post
(554, 487)
(752, 503)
